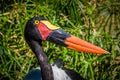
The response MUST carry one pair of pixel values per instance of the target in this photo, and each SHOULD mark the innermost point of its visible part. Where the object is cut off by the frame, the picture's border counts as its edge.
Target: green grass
(96, 22)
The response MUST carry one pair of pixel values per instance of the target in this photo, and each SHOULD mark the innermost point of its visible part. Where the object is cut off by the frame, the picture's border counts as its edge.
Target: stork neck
(46, 69)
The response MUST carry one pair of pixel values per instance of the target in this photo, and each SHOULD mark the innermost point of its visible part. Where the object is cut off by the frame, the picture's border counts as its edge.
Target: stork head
(39, 29)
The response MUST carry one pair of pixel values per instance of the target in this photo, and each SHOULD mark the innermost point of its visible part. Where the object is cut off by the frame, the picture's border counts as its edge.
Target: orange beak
(81, 45)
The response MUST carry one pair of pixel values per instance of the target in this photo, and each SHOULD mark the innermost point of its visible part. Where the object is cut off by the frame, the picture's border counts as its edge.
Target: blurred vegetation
(96, 21)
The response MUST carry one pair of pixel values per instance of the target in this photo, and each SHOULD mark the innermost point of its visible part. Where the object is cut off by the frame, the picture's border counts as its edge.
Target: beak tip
(108, 52)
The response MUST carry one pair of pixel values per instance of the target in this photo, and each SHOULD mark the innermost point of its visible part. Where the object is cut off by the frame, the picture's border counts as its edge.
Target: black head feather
(31, 32)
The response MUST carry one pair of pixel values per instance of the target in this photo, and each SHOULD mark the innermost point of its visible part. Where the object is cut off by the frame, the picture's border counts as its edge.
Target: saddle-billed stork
(38, 29)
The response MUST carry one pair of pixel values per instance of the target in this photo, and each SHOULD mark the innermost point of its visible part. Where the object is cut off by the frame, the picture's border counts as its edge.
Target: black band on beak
(58, 37)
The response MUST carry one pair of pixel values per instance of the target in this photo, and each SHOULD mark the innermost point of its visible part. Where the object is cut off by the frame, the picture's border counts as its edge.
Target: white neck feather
(59, 74)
